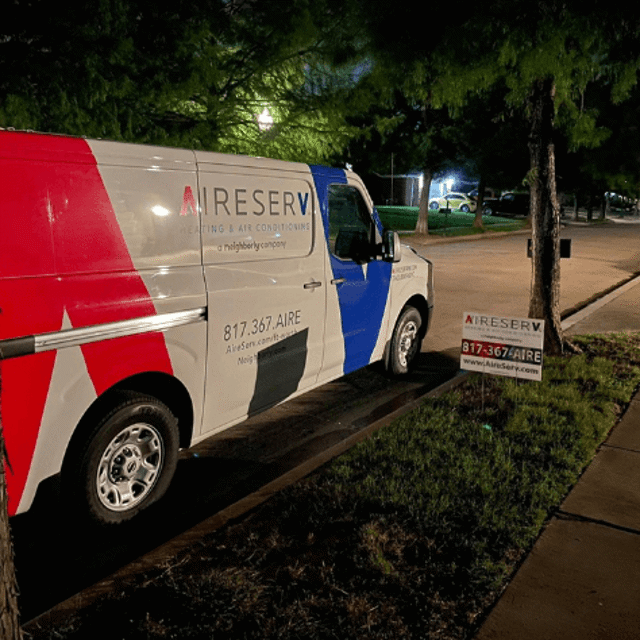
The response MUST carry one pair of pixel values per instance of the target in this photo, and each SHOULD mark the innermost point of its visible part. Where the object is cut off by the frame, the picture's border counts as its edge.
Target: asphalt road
(57, 557)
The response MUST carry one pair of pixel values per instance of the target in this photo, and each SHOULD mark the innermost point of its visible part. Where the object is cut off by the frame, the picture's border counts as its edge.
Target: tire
(434, 206)
(405, 342)
(128, 459)
(487, 211)
(464, 208)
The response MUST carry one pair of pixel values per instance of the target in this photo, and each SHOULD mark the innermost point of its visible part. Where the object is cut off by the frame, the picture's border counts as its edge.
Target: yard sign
(502, 346)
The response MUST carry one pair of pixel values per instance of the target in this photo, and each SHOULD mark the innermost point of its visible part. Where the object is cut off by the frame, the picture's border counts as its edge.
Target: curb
(599, 302)
(430, 240)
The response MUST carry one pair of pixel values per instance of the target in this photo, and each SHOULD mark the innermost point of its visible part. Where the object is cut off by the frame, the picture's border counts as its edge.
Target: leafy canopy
(189, 74)
(573, 43)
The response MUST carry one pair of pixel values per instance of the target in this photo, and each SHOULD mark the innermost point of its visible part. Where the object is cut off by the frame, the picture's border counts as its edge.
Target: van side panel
(154, 195)
(72, 211)
(265, 273)
(29, 303)
(363, 292)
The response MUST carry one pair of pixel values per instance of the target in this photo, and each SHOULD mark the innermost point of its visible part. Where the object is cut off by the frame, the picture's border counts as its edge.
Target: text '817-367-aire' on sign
(502, 346)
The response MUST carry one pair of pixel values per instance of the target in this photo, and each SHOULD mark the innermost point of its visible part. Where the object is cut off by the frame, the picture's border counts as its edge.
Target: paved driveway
(493, 275)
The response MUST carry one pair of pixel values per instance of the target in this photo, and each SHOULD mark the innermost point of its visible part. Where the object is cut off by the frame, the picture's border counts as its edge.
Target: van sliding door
(266, 289)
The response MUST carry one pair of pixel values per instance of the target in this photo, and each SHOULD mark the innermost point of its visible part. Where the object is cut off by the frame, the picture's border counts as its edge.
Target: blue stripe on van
(362, 299)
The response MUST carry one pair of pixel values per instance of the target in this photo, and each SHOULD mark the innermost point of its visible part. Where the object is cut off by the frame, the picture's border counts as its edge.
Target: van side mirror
(391, 249)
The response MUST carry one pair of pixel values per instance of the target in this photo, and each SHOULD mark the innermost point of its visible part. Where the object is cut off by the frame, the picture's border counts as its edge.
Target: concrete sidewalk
(582, 578)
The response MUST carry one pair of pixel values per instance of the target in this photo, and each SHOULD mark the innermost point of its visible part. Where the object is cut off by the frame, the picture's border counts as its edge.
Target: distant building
(403, 190)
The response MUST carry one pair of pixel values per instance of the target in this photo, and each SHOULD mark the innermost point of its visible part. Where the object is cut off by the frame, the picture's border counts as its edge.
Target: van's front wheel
(128, 460)
(405, 342)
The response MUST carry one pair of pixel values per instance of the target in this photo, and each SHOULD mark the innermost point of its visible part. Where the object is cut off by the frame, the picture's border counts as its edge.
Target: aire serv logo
(510, 347)
(223, 202)
(515, 324)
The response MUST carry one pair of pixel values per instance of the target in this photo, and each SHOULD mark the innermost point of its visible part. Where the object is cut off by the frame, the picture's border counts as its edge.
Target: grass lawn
(411, 534)
(441, 223)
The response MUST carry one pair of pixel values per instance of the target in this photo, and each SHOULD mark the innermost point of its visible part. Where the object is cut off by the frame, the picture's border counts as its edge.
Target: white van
(151, 297)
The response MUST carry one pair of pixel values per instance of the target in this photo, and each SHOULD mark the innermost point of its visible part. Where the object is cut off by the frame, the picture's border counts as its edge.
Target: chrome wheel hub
(130, 467)
(407, 342)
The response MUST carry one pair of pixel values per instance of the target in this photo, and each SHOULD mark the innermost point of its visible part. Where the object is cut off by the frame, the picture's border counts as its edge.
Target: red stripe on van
(56, 219)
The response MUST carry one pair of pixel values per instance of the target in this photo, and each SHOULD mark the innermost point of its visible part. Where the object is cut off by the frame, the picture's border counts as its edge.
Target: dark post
(9, 613)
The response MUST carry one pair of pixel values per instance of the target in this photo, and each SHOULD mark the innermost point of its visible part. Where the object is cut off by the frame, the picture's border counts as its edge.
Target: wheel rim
(407, 343)
(130, 467)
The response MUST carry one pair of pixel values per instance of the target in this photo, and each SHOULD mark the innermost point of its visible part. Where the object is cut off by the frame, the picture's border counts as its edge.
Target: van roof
(31, 145)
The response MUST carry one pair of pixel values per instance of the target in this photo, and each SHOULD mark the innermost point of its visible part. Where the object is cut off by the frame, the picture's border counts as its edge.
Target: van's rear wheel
(405, 341)
(129, 459)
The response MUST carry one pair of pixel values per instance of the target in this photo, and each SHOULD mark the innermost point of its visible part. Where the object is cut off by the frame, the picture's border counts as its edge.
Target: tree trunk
(604, 208)
(477, 221)
(544, 301)
(9, 614)
(422, 225)
(590, 208)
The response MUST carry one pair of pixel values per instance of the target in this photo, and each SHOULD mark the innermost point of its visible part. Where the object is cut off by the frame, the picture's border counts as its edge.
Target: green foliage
(584, 132)
(561, 48)
(508, 47)
(192, 75)
(17, 111)
(627, 79)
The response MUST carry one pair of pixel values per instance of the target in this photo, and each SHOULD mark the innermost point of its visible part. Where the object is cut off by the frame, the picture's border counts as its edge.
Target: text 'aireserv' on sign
(502, 346)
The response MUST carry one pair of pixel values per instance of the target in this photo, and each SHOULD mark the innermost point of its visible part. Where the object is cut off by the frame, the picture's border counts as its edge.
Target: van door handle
(338, 281)
(312, 285)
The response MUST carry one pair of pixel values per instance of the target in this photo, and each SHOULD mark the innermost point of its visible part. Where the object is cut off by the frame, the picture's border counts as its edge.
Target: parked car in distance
(488, 202)
(489, 206)
(509, 204)
(488, 194)
(453, 200)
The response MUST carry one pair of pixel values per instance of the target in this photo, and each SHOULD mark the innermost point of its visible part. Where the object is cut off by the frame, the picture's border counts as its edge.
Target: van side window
(350, 224)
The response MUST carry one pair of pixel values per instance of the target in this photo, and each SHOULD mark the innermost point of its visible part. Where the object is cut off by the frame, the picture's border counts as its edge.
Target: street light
(265, 120)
